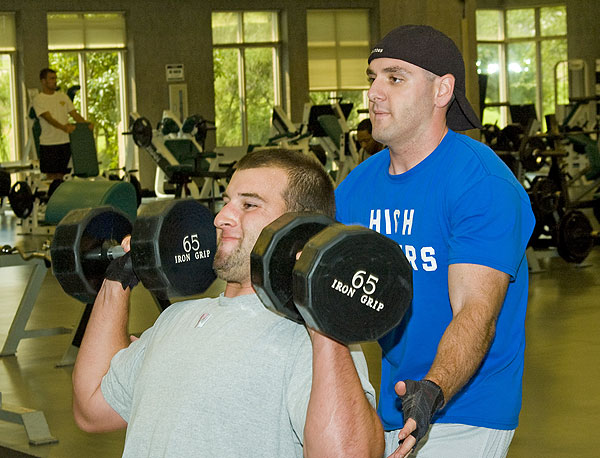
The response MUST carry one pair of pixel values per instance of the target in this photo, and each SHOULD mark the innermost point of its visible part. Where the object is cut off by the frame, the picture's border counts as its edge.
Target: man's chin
(231, 275)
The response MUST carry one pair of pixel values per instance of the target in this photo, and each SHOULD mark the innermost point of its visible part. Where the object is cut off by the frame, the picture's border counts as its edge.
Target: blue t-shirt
(461, 204)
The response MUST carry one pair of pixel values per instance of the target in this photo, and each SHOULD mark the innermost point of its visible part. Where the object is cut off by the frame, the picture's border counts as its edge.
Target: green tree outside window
(102, 96)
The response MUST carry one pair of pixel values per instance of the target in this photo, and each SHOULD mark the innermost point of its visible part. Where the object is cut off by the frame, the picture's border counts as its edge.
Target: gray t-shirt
(216, 377)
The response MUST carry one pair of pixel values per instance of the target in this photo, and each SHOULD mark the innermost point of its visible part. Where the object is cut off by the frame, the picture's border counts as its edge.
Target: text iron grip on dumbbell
(352, 283)
(349, 283)
(172, 246)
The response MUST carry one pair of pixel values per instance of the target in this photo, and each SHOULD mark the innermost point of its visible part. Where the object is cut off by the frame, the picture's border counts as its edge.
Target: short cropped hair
(44, 72)
(365, 124)
(309, 188)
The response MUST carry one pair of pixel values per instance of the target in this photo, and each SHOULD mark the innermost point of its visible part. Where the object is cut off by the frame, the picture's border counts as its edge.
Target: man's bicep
(100, 417)
(477, 285)
(118, 384)
(490, 225)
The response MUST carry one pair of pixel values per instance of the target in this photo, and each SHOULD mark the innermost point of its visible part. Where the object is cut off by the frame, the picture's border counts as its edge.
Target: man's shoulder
(368, 168)
(470, 144)
(40, 96)
(56, 96)
(479, 158)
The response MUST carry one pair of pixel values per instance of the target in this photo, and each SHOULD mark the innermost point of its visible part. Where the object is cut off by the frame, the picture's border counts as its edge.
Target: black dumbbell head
(352, 284)
(82, 231)
(172, 247)
(273, 257)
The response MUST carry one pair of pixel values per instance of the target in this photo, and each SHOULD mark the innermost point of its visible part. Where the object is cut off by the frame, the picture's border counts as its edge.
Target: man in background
(368, 145)
(53, 109)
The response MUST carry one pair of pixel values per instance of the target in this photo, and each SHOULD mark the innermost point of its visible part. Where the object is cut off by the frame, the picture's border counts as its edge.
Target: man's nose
(225, 217)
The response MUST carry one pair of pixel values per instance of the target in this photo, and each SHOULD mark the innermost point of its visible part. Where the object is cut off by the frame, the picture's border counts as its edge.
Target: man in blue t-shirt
(463, 221)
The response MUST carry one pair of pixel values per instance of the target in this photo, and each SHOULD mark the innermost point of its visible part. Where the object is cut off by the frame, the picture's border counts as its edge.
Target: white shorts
(449, 440)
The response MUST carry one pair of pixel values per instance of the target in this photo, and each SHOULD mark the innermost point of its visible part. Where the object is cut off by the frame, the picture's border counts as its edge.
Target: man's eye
(396, 79)
(247, 205)
(370, 79)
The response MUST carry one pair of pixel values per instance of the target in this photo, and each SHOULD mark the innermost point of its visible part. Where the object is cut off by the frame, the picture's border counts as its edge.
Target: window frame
(503, 42)
(81, 50)
(336, 94)
(241, 46)
(9, 48)
(14, 150)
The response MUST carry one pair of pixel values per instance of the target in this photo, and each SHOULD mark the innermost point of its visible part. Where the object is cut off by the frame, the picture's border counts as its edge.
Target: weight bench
(41, 263)
(34, 421)
(78, 193)
(80, 190)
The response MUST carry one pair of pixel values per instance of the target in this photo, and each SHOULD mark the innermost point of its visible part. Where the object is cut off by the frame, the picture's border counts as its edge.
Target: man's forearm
(460, 352)
(340, 421)
(77, 117)
(105, 335)
(476, 296)
(53, 122)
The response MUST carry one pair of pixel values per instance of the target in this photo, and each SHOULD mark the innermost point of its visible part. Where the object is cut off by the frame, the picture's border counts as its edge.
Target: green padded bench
(86, 193)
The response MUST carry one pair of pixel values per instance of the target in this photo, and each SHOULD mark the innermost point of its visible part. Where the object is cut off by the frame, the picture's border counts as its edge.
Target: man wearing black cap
(463, 221)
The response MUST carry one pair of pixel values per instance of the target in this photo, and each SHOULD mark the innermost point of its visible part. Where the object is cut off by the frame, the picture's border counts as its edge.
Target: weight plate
(79, 233)
(172, 247)
(274, 255)
(352, 283)
(530, 154)
(575, 239)
(21, 199)
(545, 196)
(142, 132)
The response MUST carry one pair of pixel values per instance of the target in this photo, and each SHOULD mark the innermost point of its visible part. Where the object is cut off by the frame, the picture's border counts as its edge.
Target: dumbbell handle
(104, 252)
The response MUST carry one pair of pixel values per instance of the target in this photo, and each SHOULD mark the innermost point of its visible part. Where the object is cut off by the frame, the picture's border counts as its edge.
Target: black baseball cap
(430, 49)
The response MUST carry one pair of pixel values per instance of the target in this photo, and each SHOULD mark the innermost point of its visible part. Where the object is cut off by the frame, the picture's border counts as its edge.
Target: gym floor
(562, 361)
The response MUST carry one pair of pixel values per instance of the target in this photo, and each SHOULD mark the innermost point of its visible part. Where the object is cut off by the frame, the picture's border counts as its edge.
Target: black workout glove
(421, 401)
(121, 270)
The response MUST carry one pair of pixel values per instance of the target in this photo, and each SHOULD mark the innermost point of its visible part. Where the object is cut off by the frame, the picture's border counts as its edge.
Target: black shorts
(55, 158)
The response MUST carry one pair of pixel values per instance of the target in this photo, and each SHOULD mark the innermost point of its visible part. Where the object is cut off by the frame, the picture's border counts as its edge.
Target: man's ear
(445, 90)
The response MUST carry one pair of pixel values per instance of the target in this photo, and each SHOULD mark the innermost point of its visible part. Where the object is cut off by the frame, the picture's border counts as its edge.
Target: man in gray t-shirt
(226, 376)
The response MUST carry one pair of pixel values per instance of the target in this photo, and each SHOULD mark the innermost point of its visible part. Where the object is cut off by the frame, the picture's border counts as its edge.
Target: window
(519, 52)
(8, 138)
(246, 75)
(338, 48)
(86, 50)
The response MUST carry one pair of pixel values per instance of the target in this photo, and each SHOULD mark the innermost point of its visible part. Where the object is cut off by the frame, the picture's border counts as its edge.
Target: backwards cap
(431, 50)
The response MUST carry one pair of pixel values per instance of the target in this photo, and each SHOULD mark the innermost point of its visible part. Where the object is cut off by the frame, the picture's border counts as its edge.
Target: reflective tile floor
(561, 399)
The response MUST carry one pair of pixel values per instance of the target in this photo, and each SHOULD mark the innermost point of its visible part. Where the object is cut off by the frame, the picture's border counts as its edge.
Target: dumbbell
(348, 282)
(172, 248)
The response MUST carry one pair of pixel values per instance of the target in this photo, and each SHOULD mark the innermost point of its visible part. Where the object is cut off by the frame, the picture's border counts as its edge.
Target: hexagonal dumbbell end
(172, 247)
(352, 283)
(79, 233)
(274, 255)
